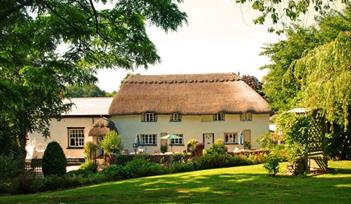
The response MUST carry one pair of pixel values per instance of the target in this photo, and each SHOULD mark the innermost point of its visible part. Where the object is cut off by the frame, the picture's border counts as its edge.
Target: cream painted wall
(129, 126)
(58, 132)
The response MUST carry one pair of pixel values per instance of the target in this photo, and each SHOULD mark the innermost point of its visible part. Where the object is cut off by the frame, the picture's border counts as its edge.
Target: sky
(219, 37)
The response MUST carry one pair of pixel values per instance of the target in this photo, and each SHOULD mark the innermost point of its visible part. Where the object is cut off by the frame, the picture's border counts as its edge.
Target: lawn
(247, 184)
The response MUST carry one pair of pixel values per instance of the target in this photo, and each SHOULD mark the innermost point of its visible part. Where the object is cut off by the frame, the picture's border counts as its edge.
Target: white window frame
(175, 117)
(234, 138)
(177, 141)
(246, 116)
(149, 117)
(219, 117)
(148, 139)
(75, 134)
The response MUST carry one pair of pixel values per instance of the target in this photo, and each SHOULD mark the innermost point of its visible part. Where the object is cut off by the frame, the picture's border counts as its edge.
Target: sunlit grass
(247, 184)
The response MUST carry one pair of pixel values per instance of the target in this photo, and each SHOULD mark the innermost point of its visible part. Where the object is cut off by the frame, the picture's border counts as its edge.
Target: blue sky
(219, 37)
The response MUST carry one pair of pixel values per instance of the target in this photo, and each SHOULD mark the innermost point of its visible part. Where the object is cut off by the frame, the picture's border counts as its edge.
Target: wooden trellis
(315, 158)
(316, 144)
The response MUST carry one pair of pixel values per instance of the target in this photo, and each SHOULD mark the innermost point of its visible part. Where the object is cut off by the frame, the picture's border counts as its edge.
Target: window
(218, 117)
(149, 117)
(231, 138)
(76, 137)
(148, 139)
(175, 117)
(246, 117)
(177, 141)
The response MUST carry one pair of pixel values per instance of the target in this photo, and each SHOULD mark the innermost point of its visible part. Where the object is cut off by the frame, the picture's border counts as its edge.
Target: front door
(208, 139)
(247, 139)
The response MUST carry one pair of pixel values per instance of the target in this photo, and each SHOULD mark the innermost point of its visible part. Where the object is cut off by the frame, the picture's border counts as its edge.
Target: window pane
(76, 137)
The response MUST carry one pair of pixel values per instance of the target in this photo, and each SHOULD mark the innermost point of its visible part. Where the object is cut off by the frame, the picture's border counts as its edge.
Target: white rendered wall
(36, 143)
(191, 126)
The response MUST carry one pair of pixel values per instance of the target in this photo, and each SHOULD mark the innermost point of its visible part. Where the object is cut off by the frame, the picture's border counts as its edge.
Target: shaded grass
(247, 184)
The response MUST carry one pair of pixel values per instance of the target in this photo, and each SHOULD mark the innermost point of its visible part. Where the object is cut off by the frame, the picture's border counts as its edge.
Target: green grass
(247, 184)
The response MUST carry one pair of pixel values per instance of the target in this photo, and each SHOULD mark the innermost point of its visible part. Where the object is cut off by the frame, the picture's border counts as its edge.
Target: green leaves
(306, 63)
(311, 69)
(111, 143)
(50, 44)
(90, 90)
(327, 80)
(279, 13)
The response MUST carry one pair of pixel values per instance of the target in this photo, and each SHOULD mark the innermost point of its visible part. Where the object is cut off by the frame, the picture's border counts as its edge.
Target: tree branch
(58, 15)
(96, 16)
(19, 6)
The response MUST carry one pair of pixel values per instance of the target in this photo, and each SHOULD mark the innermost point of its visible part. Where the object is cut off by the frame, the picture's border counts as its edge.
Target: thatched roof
(186, 94)
(101, 127)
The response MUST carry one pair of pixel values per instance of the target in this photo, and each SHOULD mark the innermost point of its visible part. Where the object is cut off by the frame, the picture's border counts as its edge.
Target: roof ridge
(182, 78)
(89, 97)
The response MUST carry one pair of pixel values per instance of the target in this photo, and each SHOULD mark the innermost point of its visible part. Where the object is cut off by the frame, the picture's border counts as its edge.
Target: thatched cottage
(149, 108)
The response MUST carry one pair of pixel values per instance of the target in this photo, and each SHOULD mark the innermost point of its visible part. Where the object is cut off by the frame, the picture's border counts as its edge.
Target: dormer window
(218, 117)
(149, 117)
(246, 117)
(175, 117)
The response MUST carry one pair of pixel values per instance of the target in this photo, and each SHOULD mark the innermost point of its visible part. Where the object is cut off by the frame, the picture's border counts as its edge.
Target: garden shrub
(90, 151)
(9, 167)
(79, 172)
(112, 146)
(238, 161)
(272, 165)
(209, 161)
(281, 151)
(89, 166)
(295, 130)
(217, 148)
(111, 143)
(257, 158)
(247, 145)
(25, 183)
(96, 178)
(115, 172)
(123, 159)
(182, 167)
(54, 160)
(142, 167)
(74, 180)
(53, 182)
(267, 141)
(177, 157)
(191, 145)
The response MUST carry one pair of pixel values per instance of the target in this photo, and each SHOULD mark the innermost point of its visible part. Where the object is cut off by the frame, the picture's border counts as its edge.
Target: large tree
(87, 90)
(312, 69)
(253, 82)
(49, 44)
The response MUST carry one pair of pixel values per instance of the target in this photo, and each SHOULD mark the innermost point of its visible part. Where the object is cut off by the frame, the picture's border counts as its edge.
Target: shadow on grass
(341, 171)
(202, 187)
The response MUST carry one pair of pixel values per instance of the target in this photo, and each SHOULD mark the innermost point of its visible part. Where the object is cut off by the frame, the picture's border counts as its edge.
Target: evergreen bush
(54, 160)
